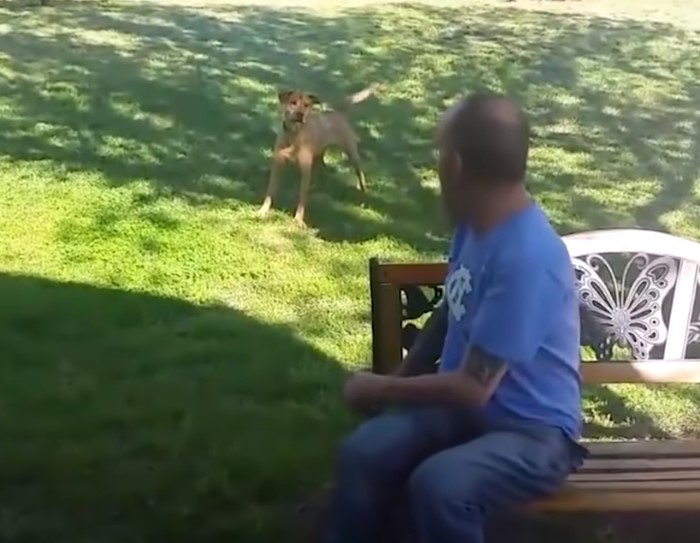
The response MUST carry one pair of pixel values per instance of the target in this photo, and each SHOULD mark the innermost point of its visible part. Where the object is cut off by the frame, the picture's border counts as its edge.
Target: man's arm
(471, 385)
(422, 356)
(512, 320)
(426, 350)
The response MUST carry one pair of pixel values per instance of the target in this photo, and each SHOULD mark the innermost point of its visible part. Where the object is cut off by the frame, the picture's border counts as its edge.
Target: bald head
(490, 135)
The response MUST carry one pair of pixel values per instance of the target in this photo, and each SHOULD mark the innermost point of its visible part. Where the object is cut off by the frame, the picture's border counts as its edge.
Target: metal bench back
(637, 290)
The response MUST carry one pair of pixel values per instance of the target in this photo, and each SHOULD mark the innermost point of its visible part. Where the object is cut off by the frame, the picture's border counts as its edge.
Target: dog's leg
(306, 161)
(273, 183)
(354, 156)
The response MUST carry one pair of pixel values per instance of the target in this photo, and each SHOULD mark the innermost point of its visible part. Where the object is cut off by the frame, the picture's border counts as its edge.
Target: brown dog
(304, 136)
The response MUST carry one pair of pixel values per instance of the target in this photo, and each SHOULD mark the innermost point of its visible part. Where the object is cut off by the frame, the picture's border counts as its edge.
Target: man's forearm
(449, 389)
(424, 353)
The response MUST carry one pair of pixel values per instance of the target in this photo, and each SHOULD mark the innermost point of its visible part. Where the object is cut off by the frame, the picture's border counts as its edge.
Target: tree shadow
(183, 98)
(129, 417)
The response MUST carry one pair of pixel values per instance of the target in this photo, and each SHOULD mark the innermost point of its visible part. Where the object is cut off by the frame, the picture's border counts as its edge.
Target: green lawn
(170, 364)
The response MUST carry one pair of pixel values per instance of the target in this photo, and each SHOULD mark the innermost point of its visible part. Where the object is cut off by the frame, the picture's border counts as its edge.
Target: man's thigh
(497, 471)
(390, 445)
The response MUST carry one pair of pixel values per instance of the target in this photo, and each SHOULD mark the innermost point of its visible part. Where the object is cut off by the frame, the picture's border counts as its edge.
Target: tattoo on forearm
(482, 366)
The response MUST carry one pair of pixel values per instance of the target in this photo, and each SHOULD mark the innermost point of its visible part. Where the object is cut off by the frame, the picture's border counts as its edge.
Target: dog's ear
(313, 99)
(283, 96)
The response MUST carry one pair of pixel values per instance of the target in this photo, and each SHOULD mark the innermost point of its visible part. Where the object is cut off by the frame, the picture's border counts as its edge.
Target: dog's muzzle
(292, 123)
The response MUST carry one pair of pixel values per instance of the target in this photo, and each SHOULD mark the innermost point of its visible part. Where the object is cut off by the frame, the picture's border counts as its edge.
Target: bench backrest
(637, 288)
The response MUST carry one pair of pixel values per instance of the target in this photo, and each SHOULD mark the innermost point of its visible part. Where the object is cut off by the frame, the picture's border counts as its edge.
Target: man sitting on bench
(497, 426)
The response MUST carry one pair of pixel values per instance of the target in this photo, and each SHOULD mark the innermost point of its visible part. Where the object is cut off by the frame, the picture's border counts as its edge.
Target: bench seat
(632, 476)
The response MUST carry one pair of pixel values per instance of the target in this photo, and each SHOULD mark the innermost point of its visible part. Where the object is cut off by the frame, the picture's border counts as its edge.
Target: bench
(637, 290)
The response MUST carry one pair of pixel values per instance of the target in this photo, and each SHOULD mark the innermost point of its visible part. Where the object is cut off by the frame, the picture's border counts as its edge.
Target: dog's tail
(361, 96)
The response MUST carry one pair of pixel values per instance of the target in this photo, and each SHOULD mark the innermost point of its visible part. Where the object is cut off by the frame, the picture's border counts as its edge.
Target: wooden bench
(639, 288)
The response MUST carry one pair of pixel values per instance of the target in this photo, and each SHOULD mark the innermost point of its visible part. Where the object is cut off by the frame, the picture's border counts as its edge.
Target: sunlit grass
(186, 389)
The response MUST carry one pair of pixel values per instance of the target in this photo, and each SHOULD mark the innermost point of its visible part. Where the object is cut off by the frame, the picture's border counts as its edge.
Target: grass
(170, 364)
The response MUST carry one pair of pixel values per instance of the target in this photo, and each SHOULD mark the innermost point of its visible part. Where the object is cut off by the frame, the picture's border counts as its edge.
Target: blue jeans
(452, 468)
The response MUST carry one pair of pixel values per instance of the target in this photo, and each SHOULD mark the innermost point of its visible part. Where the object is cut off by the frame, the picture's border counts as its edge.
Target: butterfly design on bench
(628, 311)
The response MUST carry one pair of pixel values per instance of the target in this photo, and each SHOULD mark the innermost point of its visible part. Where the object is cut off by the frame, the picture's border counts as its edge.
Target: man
(497, 426)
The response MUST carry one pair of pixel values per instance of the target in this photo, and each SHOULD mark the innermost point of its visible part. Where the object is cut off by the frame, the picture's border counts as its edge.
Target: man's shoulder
(536, 243)
(459, 234)
(534, 235)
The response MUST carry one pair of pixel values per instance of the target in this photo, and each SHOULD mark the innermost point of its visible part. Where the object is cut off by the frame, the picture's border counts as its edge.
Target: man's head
(483, 143)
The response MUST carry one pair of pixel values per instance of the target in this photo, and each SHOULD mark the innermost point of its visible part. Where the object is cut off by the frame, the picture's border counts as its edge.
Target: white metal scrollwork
(630, 309)
(694, 333)
(694, 326)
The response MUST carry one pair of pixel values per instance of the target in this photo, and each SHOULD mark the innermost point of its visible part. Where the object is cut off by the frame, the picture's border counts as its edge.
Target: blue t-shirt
(512, 292)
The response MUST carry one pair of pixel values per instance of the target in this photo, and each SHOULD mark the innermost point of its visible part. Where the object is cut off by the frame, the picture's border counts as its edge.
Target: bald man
(498, 424)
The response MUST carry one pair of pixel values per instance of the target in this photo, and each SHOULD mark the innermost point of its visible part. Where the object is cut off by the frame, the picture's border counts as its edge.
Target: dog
(304, 136)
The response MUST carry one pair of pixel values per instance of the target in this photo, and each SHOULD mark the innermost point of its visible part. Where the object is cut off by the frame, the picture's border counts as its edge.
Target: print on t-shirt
(459, 284)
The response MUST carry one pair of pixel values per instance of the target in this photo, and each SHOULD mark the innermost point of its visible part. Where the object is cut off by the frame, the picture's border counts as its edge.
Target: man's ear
(457, 164)
(313, 99)
(283, 96)
(450, 162)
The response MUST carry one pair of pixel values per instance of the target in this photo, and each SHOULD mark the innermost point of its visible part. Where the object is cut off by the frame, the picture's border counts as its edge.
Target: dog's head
(296, 105)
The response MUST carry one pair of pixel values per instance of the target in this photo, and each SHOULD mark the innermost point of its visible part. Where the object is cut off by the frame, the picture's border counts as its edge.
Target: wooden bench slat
(648, 371)
(418, 273)
(583, 477)
(636, 486)
(386, 322)
(644, 449)
(574, 499)
(640, 464)
(632, 476)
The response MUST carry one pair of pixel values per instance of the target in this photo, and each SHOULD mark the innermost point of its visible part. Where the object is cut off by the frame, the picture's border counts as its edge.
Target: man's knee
(446, 500)
(434, 484)
(355, 452)
(367, 449)
(495, 471)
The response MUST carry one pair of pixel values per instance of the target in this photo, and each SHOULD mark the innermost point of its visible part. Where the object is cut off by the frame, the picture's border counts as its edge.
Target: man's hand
(363, 391)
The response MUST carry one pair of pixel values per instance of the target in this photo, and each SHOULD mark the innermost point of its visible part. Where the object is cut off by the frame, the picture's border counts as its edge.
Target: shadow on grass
(609, 416)
(173, 407)
(128, 417)
(184, 99)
